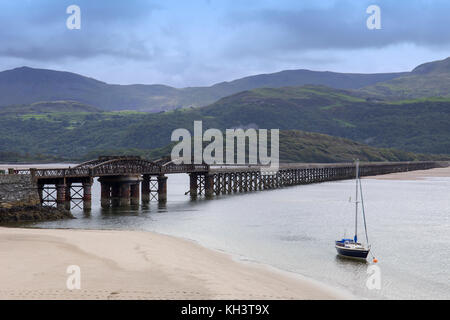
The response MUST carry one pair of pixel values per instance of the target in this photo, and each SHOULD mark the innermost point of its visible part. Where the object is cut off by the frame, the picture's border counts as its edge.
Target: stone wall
(19, 201)
(17, 191)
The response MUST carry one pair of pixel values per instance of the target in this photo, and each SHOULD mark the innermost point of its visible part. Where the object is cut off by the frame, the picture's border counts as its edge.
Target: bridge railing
(123, 169)
(184, 168)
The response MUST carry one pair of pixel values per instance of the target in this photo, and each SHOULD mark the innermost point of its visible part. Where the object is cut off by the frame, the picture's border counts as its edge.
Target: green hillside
(47, 107)
(300, 146)
(427, 80)
(295, 146)
(421, 125)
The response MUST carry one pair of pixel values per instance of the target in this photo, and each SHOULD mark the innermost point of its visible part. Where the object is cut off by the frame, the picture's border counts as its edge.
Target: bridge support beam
(105, 194)
(124, 199)
(193, 185)
(115, 194)
(68, 196)
(145, 188)
(209, 185)
(134, 193)
(162, 189)
(87, 195)
(40, 189)
(61, 195)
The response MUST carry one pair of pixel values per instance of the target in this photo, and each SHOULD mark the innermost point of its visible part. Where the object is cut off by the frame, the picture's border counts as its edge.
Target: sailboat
(351, 247)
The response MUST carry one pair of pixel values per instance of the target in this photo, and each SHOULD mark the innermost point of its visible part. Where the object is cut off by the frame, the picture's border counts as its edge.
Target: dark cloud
(37, 30)
(341, 26)
(199, 42)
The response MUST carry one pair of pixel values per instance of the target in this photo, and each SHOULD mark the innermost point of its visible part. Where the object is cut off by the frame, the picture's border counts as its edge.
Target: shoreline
(119, 264)
(443, 172)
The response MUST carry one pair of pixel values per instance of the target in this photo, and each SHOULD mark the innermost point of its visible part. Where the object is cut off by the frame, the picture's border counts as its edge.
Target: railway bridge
(128, 180)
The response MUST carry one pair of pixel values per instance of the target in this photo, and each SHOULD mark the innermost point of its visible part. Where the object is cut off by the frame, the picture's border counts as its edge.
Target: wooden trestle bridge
(128, 180)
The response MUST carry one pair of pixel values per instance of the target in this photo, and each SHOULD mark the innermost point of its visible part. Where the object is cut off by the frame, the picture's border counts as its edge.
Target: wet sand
(414, 175)
(135, 265)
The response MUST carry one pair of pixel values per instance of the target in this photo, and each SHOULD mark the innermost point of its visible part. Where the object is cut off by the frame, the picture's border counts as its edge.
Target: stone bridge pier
(124, 190)
(119, 190)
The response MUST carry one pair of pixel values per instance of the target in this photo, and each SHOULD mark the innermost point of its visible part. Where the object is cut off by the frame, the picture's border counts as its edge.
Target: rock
(33, 213)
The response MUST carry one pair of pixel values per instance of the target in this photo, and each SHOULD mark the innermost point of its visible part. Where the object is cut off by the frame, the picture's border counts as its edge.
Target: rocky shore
(32, 213)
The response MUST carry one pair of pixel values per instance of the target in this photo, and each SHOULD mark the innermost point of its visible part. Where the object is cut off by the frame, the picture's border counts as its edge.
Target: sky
(201, 42)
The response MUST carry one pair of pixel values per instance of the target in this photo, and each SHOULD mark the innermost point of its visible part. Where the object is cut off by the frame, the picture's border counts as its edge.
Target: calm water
(294, 229)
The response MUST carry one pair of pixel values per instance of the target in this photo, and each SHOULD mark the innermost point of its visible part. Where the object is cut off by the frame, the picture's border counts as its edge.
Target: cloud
(200, 42)
(341, 25)
(37, 30)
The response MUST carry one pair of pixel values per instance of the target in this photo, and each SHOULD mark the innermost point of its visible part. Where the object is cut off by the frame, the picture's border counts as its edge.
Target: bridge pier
(124, 199)
(134, 193)
(209, 185)
(61, 194)
(68, 195)
(40, 188)
(115, 194)
(87, 195)
(193, 185)
(145, 188)
(105, 194)
(115, 191)
(162, 189)
(153, 188)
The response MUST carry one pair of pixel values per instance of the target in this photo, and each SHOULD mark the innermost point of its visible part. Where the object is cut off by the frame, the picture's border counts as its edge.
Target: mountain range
(62, 115)
(27, 85)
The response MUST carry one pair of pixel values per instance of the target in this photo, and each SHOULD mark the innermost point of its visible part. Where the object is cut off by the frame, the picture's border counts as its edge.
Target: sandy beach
(414, 175)
(135, 265)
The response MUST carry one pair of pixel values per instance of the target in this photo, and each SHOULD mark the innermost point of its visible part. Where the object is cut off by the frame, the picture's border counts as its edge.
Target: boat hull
(352, 253)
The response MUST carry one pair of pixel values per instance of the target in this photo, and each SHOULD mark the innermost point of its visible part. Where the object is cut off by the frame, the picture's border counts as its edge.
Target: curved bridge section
(110, 166)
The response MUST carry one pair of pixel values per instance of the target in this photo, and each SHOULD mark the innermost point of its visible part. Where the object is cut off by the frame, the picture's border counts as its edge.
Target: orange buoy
(375, 260)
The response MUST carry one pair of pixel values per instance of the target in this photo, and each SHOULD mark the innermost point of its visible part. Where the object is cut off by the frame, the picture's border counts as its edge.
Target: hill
(28, 85)
(48, 107)
(420, 125)
(295, 146)
(427, 80)
(301, 146)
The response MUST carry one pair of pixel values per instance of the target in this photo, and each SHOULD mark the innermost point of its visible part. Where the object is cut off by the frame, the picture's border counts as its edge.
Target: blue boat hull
(362, 254)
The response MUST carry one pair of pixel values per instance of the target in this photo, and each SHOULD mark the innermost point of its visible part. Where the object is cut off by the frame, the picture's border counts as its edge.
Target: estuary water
(294, 229)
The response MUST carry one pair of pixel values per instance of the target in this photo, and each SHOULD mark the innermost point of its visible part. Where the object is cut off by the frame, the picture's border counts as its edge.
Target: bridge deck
(133, 166)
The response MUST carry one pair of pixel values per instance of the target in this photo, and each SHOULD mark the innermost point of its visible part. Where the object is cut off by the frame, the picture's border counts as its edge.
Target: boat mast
(356, 202)
(363, 211)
